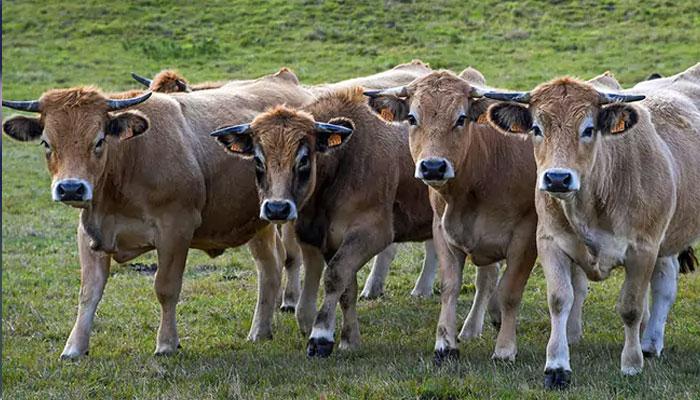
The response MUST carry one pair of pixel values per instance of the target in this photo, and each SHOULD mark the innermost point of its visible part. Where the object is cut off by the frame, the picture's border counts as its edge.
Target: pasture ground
(515, 44)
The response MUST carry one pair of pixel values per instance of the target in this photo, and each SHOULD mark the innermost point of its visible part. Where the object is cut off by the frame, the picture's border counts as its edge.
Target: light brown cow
(617, 186)
(347, 183)
(171, 81)
(482, 191)
(166, 189)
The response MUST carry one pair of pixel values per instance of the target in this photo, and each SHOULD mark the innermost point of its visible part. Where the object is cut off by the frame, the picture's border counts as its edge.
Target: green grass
(516, 44)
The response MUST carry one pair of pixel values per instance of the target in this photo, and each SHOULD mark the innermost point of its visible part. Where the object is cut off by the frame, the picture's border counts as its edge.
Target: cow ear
(333, 134)
(617, 119)
(236, 139)
(128, 124)
(23, 128)
(509, 117)
(390, 107)
(478, 110)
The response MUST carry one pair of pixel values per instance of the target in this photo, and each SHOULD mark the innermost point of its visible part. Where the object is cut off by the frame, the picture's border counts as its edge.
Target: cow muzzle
(434, 171)
(559, 181)
(278, 211)
(73, 192)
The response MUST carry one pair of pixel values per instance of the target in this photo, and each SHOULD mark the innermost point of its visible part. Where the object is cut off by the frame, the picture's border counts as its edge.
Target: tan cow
(344, 176)
(170, 81)
(151, 178)
(617, 185)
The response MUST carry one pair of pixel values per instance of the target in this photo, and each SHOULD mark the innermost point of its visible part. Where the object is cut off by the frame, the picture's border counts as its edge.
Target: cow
(170, 81)
(482, 194)
(617, 179)
(147, 176)
(344, 177)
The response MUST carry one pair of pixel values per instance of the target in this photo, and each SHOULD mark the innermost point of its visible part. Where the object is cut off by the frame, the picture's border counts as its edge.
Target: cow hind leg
(350, 334)
(664, 284)
(376, 280)
(486, 281)
(168, 283)
(94, 270)
(264, 247)
(424, 284)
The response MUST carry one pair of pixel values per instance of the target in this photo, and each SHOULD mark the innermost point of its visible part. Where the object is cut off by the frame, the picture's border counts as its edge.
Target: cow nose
(433, 169)
(558, 181)
(278, 210)
(71, 190)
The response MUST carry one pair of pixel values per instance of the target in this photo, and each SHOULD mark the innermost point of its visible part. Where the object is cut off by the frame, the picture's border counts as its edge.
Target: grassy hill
(50, 44)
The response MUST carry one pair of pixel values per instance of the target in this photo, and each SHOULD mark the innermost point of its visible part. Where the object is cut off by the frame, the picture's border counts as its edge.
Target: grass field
(515, 44)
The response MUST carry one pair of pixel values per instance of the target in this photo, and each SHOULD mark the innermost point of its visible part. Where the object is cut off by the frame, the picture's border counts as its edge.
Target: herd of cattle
(585, 175)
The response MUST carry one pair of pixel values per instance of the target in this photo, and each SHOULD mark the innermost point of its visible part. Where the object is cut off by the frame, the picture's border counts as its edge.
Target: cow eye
(461, 120)
(303, 162)
(588, 132)
(412, 119)
(536, 131)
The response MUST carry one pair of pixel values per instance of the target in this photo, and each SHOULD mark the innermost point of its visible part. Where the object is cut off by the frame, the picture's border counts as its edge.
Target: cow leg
(94, 270)
(574, 326)
(494, 305)
(350, 334)
(374, 286)
(639, 268)
(313, 269)
(560, 298)
(520, 260)
(451, 265)
(424, 284)
(664, 284)
(265, 247)
(357, 247)
(172, 256)
(292, 267)
(486, 281)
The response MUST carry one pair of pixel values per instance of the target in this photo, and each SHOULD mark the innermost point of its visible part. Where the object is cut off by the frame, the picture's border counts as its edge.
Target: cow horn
(477, 92)
(31, 105)
(140, 79)
(332, 128)
(400, 91)
(519, 97)
(606, 98)
(231, 129)
(118, 104)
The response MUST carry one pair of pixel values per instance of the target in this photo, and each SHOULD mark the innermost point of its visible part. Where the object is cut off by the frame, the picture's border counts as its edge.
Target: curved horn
(231, 129)
(331, 128)
(115, 104)
(477, 92)
(31, 105)
(520, 97)
(400, 91)
(140, 79)
(606, 98)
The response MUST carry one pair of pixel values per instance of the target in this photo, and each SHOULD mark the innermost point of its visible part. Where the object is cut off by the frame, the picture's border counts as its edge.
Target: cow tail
(688, 260)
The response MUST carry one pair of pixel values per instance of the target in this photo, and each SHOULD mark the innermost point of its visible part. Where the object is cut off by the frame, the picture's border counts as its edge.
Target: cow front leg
(374, 285)
(574, 327)
(94, 270)
(560, 298)
(350, 334)
(265, 250)
(485, 282)
(168, 283)
(639, 267)
(451, 265)
(664, 285)
(313, 269)
(292, 267)
(424, 284)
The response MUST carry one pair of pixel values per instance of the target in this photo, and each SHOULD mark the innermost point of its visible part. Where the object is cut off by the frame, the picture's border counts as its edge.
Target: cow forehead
(564, 98)
(280, 131)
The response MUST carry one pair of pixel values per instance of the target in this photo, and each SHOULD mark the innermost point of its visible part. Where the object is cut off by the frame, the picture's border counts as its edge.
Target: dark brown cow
(618, 185)
(151, 178)
(345, 176)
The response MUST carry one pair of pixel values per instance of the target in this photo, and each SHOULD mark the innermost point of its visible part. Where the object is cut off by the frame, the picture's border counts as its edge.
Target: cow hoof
(371, 295)
(319, 347)
(167, 350)
(557, 379)
(445, 355)
(288, 309)
(71, 356)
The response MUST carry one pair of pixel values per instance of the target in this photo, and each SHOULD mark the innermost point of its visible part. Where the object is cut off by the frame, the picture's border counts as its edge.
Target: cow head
(76, 128)
(166, 81)
(439, 108)
(284, 144)
(568, 120)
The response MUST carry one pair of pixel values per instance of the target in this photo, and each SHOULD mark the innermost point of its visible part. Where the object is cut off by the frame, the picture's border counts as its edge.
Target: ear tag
(386, 114)
(483, 119)
(334, 140)
(235, 147)
(619, 126)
